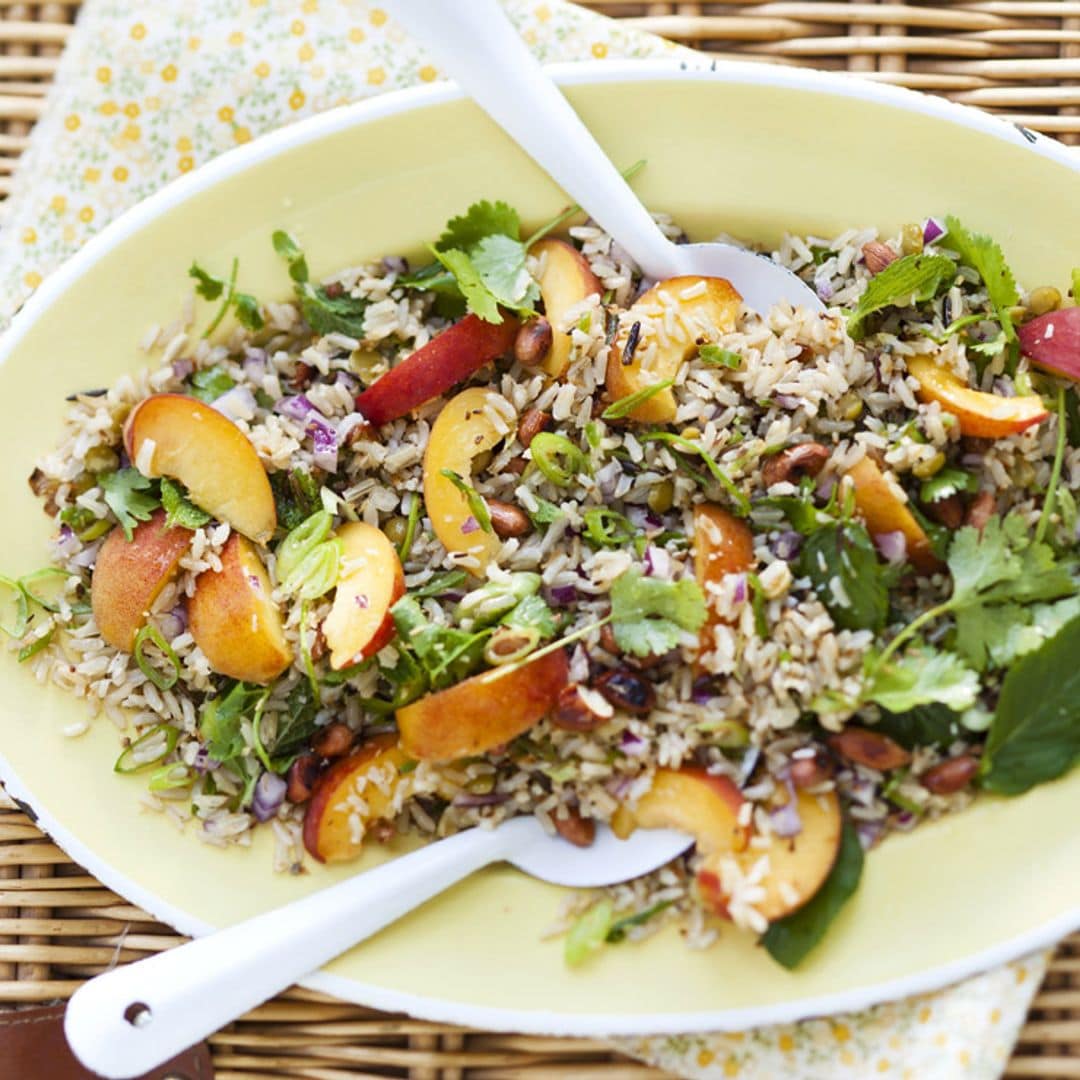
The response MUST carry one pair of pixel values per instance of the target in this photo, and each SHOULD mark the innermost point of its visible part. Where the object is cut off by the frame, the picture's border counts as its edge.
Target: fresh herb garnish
(589, 933)
(650, 616)
(210, 287)
(532, 613)
(714, 356)
(162, 680)
(947, 482)
(130, 496)
(842, 565)
(478, 506)
(296, 496)
(790, 939)
(741, 502)
(327, 310)
(924, 725)
(292, 732)
(912, 279)
(1055, 472)
(922, 677)
(1035, 734)
(619, 927)
(626, 405)
(446, 653)
(179, 509)
(444, 582)
(545, 512)
(983, 255)
(208, 384)
(221, 719)
(416, 508)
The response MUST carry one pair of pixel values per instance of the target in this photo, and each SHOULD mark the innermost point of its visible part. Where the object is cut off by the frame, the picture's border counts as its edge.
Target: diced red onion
(632, 745)
(66, 542)
(173, 623)
(470, 525)
(183, 367)
(905, 820)
(203, 762)
(823, 287)
(702, 692)
(618, 786)
(785, 820)
(562, 595)
(861, 790)
(868, 833)
(787, 545)
(88, 556)
(657, 562)
(787, 401)
(349, 381)
(468, 800)
(892, 546)
(1004, 388)
(825, 485)
(932, 230)
(395, 264)
(608, 477)
(579, 664)
(324, 438)
(297, 407)
(255, 362)
(739, 594)
(269, 794)
(748, 765)
(972, 460)
(237, 403)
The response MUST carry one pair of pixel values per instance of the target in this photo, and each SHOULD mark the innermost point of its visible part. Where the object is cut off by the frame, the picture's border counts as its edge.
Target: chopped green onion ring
(22, 609)
(557, 458)
(170, 777)
(163, 681)
(125, 763)
(608, 528)
(307, 535)
(35, 646)
(318, 573)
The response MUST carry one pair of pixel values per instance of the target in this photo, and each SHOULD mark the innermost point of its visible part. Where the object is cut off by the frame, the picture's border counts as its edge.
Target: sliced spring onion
(619, 928)
(162, 680)
(317, 573)
(126, 762)
(28, 582)
(36, 645)
(589, 933)
(717, 357)
(305, 655)
(607, 528)
(307, 535)
(415, 507)
(477, 505)
(757, 602)
(1055, 472)
(170, 777)
(21, 616)
(510, 643)
(557, 458)
(742, 503)
(626, 405)
(592, 434)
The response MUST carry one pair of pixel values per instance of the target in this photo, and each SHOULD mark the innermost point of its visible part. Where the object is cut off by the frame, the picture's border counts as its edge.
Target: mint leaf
(790, 939)
(481, 220)
(842, 565)
(478, 297)
(983, 255)
(179, 509)
(923, 677)
(649, 616)
(909, 280)
(130, 496)
(925, 725)
(1035, 734)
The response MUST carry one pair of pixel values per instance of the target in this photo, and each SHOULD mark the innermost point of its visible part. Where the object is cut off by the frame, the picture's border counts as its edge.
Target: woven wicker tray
(58, 926)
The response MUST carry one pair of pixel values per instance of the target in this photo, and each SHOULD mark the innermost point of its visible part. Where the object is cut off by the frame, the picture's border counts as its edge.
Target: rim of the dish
(268, 146)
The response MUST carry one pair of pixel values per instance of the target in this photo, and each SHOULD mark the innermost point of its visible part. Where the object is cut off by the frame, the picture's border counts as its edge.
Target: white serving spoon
(132, 1019)
(476, 45)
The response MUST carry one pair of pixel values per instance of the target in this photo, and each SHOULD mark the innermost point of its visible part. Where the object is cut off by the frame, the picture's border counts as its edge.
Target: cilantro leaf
(500, 262)
(446, 654)
(801, 513)
(981, 632)
(327, 314)
(842, 565)
(923, 677)
(481, 220)
(532, 613)
(208, 286)
(979, 561)
(1035, 734)
(545, 512)
(286, 246)
(909, 280)
(790, 939)
(179, 509)
(946, 483)
(130, 496)
(211, 287)
(983, 255)
(208, 384)
(649, 615)
(219, 723)
(478, 297)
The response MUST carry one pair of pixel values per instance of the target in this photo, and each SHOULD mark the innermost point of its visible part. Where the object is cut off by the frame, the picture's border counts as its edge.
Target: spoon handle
(131, 1019)
(475, 44)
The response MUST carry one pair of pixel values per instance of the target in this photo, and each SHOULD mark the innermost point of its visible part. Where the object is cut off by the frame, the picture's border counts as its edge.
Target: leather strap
(33, 1047)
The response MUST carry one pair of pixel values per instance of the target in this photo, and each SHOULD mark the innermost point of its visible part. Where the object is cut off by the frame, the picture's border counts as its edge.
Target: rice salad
(508, 529)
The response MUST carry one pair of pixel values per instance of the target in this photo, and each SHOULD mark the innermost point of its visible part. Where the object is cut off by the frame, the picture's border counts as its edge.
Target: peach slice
(371, 582)
(182, 437)
(447, 359)
(462, 430)
(692, 801)
(883, 511)
(723, 544)
(130, 574)
(797, 866)
(235, 621)
(356, 791)
(1053, 341)
(673, 319)
(987, 416)
(565, 280)
(483, 711)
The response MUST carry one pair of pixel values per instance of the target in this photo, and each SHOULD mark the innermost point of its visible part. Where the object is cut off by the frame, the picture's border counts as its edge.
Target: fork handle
(475, 44)
(194, 990)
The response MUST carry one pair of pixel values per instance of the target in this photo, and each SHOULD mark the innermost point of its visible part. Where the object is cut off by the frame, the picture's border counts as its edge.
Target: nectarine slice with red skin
(723, 544)
(565, 281)
(130, 574)
(693, 801)
(447, 359)
(483, 711)
(184, 438)
(371, 582)
(1053, 341)
(798, 865)
(883, 511)
(461, 431)
(674, 319)
(985, 416)
(234, 619)
(333, 825)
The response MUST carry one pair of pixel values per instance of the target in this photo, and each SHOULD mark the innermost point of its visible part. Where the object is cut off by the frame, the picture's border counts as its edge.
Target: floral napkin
(148, 91)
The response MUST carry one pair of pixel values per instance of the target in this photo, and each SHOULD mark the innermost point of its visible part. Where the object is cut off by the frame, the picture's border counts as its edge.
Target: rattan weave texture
(58, 926)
